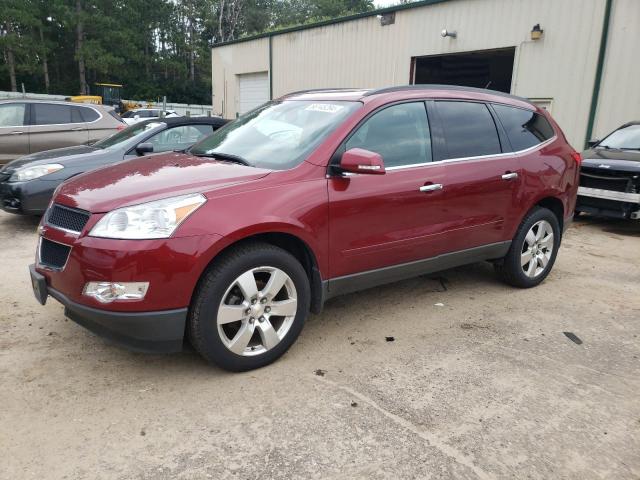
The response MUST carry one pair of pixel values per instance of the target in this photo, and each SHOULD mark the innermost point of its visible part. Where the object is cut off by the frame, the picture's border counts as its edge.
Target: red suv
(316, 194)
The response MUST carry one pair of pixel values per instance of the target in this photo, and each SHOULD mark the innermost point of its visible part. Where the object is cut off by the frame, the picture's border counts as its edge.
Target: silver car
(29, 126)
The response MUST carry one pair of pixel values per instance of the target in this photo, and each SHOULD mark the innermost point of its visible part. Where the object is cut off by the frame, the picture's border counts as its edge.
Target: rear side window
(400, 134)
(469, 129)
(12, 114)
(89, 114)
(524, 128)
(51, 114)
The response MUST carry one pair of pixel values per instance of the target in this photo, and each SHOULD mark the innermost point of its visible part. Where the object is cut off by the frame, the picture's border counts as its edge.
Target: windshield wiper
(607, 147)
(226, 157)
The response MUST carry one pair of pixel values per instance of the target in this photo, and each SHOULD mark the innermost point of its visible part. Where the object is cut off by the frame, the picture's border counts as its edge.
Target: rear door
(56, 126)
(382, 220)
(14, 132)
(482, 176)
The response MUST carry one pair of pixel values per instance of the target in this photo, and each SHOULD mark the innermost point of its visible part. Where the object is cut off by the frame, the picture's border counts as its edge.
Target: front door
(383, 220)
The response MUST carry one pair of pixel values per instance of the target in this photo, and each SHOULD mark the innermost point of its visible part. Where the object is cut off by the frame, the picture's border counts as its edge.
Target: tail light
(577, 157)
(122, 127)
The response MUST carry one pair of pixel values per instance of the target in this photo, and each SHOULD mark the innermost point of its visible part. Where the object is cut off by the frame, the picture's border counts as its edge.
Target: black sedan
(610, 175)
(27, 183)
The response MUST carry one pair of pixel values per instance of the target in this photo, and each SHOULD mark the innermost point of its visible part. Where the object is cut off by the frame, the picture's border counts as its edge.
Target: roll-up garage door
(254, 90)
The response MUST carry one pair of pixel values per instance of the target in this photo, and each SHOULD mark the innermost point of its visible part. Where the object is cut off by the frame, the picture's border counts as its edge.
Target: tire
(226, 291)
(512, 270)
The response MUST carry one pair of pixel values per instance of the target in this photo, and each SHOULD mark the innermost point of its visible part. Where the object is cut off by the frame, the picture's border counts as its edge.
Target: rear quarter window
(469, 129)
(524, 128)
(89, 114)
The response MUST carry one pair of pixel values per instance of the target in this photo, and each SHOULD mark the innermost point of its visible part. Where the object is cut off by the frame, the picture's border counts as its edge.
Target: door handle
(16, 133)
(431, 188)
(77, 129)
(510, 176)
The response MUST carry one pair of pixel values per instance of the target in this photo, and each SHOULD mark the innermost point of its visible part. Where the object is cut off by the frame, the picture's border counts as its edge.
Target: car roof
(179, 121)
(57, 102)
(408, 92)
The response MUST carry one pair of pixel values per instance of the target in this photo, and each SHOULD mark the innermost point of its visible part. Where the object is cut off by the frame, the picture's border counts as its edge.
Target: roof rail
(317, 90)
(434, 86)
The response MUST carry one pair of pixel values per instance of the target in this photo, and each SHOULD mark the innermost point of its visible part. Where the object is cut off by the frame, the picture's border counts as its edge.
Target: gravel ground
(479, 382)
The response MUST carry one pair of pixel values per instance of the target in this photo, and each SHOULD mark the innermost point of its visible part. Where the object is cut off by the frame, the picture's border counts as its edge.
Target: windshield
(127, 134)
(626, 138)
(277, 135)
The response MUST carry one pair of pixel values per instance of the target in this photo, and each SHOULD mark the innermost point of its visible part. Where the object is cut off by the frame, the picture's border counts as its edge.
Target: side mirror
(358, 160)
(593, 142)
(143, 148)
(136, 117)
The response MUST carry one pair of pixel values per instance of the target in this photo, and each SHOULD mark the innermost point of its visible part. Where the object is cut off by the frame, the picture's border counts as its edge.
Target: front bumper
(150, 332)
(608, 203)
(27, 198)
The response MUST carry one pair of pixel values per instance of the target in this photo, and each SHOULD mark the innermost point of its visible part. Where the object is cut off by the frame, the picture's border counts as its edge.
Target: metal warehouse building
(578, 58)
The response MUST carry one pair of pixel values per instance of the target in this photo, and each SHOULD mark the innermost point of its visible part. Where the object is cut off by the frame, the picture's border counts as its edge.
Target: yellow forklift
(106, 94)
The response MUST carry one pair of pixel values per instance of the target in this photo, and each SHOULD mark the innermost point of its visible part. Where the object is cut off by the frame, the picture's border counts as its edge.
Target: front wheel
(533, 250)
(250, 307)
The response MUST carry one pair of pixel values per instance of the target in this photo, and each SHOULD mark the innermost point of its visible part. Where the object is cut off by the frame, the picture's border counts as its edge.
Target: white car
(137, 115)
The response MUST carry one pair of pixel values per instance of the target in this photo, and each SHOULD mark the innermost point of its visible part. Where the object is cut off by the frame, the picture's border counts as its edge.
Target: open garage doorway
(491, 69)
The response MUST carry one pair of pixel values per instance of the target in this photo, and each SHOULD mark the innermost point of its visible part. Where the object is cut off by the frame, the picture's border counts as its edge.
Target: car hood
(58, 155)
(152, 178)
(625, 160)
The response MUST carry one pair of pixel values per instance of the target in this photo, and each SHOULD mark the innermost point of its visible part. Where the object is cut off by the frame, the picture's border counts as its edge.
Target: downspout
(599, 68)
(270, 69)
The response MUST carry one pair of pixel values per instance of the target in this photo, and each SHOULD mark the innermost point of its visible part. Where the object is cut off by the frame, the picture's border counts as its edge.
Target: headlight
(157, 219)
(37, 171)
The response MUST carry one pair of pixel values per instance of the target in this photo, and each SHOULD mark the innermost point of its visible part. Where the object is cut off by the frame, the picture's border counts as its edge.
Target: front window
(278, 135)
(626, 138)
(126, 134)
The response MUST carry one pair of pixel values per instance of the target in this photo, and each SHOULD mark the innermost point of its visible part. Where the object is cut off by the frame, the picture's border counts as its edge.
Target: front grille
(67, 218)
(53, 254)
(610, 180)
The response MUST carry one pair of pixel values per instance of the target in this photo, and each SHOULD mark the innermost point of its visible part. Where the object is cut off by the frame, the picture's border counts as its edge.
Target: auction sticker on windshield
(324, 107)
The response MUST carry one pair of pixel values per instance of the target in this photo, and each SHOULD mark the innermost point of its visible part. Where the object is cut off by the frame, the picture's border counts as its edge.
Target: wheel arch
(556, 206)
(289, 242)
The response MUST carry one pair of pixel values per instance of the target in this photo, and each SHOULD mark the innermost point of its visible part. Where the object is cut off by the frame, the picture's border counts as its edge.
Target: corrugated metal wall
(620, 89)
(362, 53)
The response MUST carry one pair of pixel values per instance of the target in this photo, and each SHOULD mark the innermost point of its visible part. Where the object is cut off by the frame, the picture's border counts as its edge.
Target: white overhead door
(254, 90)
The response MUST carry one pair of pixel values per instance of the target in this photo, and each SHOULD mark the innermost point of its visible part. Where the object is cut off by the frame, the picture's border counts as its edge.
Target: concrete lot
(484, 386)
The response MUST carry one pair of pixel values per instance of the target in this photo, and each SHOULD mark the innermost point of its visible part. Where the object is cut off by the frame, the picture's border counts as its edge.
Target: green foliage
(152, 47)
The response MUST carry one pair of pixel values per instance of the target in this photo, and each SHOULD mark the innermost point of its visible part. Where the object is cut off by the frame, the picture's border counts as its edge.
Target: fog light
(107, 292)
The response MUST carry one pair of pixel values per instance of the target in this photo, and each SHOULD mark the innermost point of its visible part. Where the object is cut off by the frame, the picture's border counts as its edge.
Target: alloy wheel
(537, 249)
(257, 311)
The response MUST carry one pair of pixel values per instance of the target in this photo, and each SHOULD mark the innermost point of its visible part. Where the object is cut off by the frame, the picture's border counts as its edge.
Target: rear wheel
(533, 250)
(250, 307)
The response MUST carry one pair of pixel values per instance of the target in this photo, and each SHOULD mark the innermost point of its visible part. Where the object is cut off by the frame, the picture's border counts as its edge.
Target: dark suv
(316, 194)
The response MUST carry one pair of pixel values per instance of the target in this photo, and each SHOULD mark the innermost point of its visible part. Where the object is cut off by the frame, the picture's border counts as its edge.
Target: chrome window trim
(49, 267)
(478, 157)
